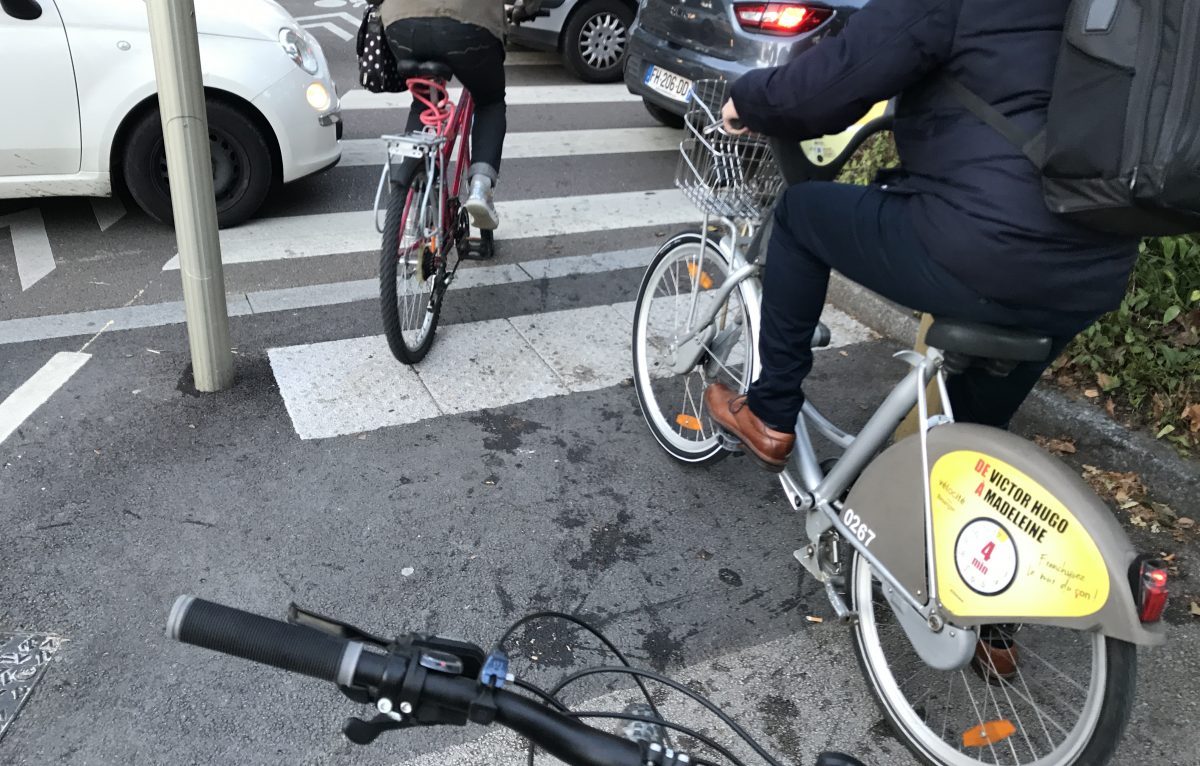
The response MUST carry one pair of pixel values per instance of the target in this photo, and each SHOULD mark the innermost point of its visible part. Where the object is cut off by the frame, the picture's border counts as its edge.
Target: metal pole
(176, 47)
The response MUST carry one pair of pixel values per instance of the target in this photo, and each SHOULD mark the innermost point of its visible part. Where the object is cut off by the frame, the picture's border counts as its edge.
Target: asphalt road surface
(511, 472)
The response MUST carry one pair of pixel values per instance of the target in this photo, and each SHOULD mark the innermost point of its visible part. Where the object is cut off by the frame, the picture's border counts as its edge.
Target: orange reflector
(706, 282)
(988, 733)
(689, 422)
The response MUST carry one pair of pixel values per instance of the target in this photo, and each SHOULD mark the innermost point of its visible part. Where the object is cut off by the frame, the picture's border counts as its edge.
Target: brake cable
(699, 698)
(552, 615)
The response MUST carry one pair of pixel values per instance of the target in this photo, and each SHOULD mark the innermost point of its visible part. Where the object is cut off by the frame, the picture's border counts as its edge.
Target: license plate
(669, 84)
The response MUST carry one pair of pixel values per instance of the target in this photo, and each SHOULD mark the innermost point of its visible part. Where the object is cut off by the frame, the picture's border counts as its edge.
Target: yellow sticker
(1006, 547)
(824, 150)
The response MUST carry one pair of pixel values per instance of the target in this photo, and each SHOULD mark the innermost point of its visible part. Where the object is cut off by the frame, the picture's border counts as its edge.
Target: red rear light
(781, 18)
(1152, 591)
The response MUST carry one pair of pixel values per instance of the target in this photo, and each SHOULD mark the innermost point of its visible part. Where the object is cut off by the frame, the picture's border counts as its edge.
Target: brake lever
(298, 616)
(362, 732)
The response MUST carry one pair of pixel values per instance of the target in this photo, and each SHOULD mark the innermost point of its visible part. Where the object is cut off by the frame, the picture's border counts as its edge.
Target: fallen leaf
(1162, 509)
(1091, 393)
(1185, 523)
(1056, 446)
(1111, 408)
(1195, 610)
(1191, 414)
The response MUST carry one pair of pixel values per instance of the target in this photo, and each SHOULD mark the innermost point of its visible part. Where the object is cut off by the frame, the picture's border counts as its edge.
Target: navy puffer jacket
(978, 203)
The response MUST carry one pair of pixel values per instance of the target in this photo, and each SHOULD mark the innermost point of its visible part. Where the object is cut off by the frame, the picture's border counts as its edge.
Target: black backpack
(1121, 148)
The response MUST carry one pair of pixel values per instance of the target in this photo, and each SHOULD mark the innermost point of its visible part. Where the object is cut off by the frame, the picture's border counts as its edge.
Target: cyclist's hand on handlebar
(733, 123)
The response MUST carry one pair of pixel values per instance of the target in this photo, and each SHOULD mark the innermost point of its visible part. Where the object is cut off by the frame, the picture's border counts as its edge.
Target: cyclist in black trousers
(467, 35)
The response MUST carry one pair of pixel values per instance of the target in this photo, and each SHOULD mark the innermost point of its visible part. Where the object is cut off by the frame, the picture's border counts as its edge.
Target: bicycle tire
(674, 440)
(1094, 743)
(400, 309)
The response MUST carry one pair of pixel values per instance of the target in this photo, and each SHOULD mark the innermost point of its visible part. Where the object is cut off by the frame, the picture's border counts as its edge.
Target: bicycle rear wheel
(411, 270)
(670, 381)
(1035, 695)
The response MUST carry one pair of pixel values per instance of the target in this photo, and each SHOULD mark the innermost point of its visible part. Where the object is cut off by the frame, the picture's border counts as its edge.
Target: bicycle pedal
(479, 250)
(729, 443)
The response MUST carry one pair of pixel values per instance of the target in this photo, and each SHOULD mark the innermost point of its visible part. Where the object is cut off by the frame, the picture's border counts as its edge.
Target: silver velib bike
(994, 601)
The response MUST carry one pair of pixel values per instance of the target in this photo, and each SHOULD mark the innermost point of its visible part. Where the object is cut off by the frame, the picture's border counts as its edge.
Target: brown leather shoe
(770, 448)
(996, 660)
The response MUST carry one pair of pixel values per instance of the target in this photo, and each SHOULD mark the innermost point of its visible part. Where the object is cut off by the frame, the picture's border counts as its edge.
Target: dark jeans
(477, 58)
(866, 233)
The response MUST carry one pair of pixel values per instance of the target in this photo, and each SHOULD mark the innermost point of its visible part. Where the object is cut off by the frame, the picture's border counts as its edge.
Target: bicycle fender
(1018, 536)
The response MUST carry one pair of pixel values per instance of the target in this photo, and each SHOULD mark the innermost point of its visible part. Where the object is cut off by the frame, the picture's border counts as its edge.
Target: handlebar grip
(296, 648)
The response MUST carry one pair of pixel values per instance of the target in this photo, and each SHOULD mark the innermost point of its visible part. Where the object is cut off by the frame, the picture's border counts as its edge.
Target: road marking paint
(311, 296)
(557, 143)
(24, 659)
(350, 386)
(307, 236)
(586, 348)
(349, 18)
(342, 387)
(34, 392)
(31, 245)
(521, 95)
(330, 27)
(108, 211)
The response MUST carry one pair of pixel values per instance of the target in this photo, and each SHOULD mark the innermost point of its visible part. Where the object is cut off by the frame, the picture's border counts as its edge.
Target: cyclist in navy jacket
(960, 230)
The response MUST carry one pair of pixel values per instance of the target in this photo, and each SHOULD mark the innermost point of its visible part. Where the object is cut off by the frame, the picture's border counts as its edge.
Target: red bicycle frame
(450, 121)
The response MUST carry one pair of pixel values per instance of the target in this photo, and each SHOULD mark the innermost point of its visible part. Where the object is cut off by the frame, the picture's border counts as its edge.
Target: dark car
(676, 42)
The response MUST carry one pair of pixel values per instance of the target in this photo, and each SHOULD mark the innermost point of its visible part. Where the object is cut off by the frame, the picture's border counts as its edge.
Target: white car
(592, 36)
(81, 115)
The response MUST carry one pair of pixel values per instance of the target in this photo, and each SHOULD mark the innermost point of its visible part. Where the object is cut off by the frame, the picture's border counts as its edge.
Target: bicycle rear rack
(417, 145)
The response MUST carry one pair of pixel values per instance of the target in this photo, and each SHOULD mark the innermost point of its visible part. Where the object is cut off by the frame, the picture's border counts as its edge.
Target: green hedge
(1144, 358)
(1146, 354)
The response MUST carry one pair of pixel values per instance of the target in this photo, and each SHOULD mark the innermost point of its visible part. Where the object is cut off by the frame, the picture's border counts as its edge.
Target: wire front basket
(724, 175)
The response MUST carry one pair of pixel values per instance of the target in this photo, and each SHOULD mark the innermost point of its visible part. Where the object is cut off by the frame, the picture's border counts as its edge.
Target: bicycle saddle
(432, 70)
(999, 348)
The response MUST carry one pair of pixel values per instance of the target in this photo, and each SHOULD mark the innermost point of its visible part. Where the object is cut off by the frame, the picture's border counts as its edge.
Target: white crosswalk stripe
(561, 143)
(274, 239)
(350, 386)
(520, 95)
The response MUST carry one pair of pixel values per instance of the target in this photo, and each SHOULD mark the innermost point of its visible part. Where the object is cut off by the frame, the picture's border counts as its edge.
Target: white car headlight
(299, 50)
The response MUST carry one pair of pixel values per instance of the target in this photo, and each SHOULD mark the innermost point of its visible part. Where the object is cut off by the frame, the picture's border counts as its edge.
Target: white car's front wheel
(242, 159)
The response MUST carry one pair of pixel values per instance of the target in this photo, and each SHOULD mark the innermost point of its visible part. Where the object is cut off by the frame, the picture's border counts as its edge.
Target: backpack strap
(1033, 147)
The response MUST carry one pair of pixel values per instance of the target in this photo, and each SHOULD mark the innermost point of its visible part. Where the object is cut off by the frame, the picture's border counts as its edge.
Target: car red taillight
(781, 18)
(1151, 590)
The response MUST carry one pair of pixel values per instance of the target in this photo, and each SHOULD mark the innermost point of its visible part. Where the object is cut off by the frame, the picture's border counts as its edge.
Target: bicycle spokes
(1031, 695)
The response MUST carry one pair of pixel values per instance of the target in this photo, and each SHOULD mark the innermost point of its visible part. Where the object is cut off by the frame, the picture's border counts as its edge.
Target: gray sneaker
(481, 205)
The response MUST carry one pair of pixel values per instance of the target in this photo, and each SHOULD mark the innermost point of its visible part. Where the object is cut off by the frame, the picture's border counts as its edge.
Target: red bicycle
(425, 219)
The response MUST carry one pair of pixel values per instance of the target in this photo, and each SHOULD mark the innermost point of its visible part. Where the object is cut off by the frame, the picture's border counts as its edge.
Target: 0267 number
(858, 527)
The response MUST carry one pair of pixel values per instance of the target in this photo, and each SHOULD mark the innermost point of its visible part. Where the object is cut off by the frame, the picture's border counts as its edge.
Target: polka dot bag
(376, 62)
